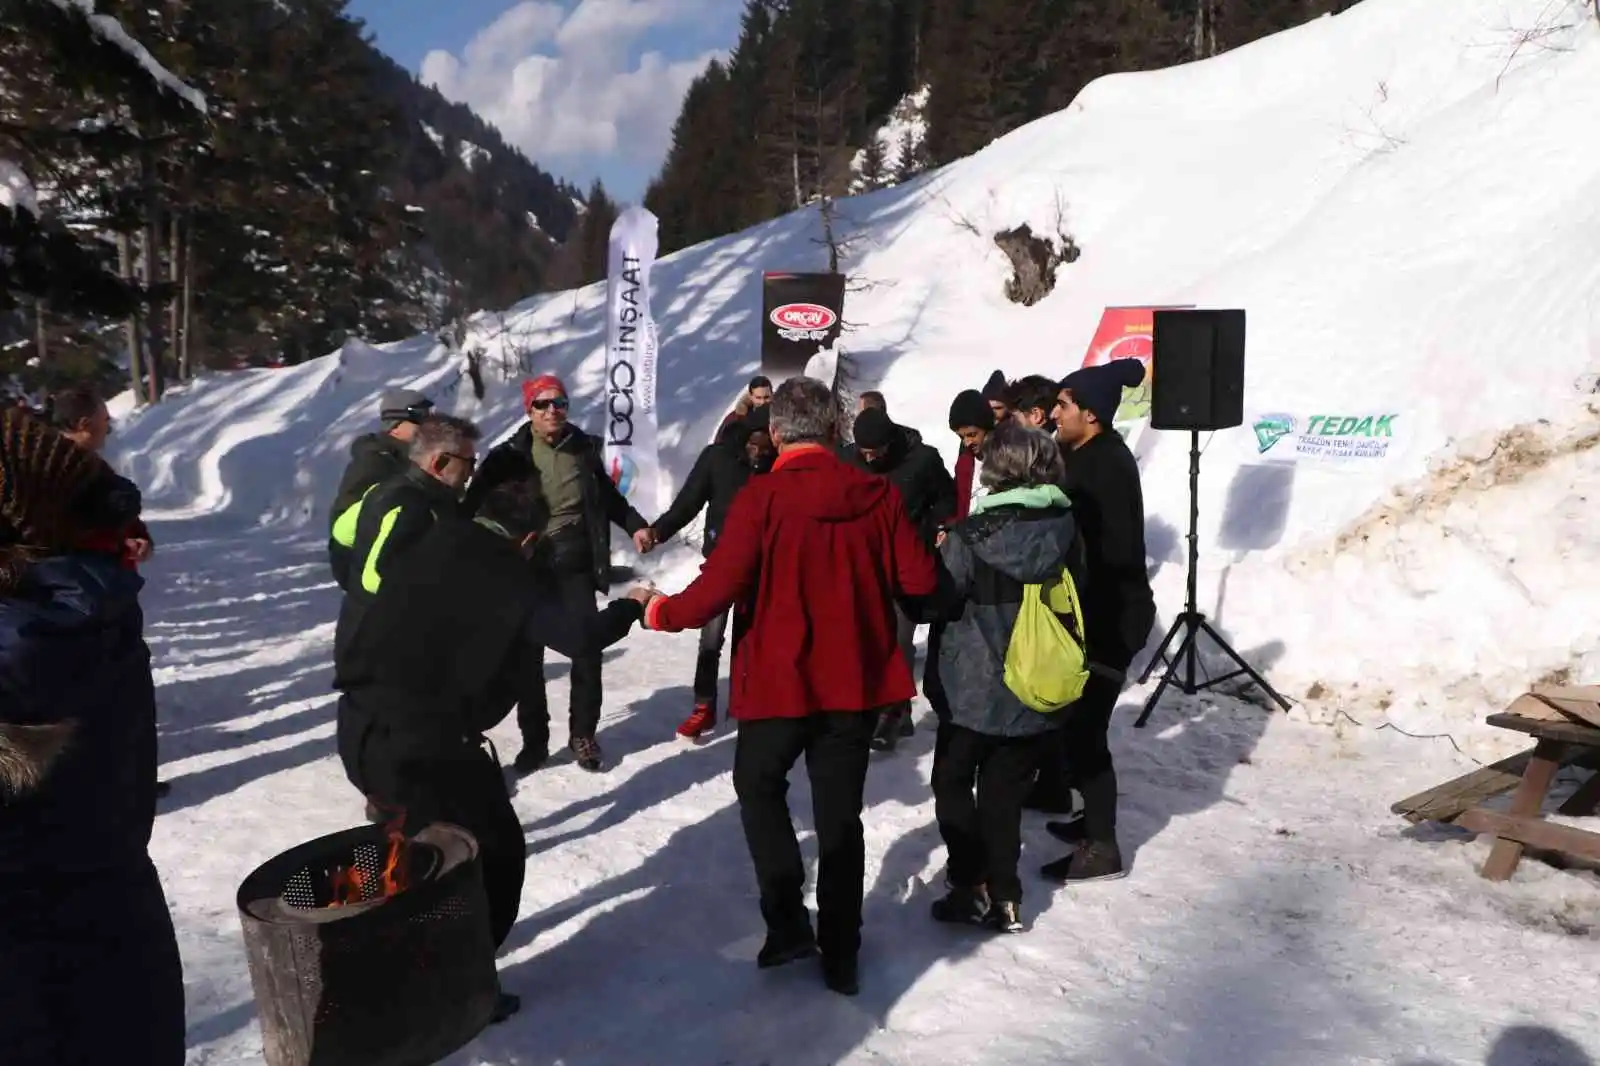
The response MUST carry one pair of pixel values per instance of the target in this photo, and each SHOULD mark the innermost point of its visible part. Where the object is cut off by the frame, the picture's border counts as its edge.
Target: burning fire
(350, 884)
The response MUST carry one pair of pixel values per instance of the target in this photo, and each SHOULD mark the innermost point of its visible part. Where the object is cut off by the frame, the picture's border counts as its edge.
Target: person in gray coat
(990, 743)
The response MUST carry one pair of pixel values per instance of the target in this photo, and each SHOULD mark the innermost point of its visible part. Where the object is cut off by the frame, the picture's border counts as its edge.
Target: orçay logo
(803, 322)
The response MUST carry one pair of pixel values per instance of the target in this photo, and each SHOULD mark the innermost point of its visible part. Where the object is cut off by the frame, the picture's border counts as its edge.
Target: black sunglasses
(560, 403)
(470, 460)
(414, 413)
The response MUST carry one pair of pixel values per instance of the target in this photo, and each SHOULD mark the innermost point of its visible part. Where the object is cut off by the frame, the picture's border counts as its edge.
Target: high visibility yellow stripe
(370, 578)
(344, 527)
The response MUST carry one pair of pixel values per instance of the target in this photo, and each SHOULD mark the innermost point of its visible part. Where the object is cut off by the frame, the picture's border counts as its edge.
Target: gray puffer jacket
(1018, 537)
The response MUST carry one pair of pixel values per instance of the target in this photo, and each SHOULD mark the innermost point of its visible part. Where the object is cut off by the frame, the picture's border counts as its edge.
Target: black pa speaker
(1197, 370)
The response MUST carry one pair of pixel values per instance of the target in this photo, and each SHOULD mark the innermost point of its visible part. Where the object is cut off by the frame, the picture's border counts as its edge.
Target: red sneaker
(702, 721)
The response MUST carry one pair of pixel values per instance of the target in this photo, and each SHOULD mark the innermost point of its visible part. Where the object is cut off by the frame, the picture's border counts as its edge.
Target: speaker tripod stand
(1192, 623)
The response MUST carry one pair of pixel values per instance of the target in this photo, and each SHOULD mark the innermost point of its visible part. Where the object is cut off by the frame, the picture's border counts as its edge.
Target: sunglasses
(415, 413)
(560, 403)
(470, 460)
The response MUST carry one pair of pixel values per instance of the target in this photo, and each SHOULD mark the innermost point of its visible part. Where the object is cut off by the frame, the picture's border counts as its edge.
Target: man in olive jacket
(574, 559)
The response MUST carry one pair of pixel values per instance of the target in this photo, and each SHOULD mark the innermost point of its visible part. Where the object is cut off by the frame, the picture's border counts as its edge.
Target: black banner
(800, 315)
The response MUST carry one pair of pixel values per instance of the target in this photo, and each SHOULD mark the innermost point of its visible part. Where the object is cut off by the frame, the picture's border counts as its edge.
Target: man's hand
(140, 549)
(938, 539)
(644, 540)
(642, 595)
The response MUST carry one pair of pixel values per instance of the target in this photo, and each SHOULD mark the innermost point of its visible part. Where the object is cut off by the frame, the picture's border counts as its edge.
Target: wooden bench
(1561, 720)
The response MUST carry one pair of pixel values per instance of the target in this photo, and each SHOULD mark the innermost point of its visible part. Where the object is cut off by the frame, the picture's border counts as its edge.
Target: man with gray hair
(812, 558)
(387, 520)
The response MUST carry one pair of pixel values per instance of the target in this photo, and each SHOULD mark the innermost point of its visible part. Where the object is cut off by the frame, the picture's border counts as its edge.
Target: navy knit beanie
(1098, 389)
(873, 429)
(995, 387)
(970, 409)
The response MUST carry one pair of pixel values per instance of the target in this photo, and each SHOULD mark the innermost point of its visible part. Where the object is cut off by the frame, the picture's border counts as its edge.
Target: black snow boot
(505, 1005)
(1092, 860)
(587, 751)
(1004, 917)
(530, 758)
(841, 974)
(962, 906)
(780, 950)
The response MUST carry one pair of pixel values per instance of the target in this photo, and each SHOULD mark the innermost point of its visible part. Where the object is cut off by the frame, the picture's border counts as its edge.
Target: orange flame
(350, 884)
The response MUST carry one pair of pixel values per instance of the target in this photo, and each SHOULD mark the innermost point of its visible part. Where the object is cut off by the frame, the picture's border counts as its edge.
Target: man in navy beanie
(1103, 483)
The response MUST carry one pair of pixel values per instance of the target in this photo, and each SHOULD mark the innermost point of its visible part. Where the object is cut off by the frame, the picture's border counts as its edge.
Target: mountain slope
(1408, 217)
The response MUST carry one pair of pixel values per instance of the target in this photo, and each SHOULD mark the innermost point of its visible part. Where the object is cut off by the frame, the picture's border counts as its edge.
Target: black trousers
(837, 747)
(575, 590)
(89, 970)
(983, 833)
(468, 790)
(1082, 758)
(708, 661)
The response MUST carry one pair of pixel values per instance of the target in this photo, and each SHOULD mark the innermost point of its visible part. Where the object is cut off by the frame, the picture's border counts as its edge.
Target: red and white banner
(1128, 333)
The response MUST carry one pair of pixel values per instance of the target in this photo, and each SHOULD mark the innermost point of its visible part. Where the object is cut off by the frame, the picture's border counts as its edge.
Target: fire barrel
(370, 948)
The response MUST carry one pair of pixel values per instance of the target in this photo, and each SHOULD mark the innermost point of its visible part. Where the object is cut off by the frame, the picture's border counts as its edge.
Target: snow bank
(1400, 196)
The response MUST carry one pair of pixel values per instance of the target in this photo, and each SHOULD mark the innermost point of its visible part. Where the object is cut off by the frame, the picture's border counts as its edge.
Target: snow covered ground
(1404, 197)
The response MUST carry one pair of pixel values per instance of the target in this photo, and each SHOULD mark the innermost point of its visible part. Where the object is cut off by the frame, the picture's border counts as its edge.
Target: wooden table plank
(1570, 732)
(1526, 803)
(1442, 803)
(1534, 832)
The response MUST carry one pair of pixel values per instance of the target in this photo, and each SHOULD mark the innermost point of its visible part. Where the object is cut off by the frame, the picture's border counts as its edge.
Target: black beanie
(970, 409)
(1098, 389)
(873, 429)
(995, 387)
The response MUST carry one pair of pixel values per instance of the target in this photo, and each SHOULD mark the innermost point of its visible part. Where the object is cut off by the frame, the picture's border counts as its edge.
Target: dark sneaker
(701, 722)
(840, 974)
(962, 906)
(1068, 830)
(587, 751)
(781, 951)
(505, 1005)
(530, 758)
(888, 734)
(1004, 917)
(1089, 861)
(908, 728)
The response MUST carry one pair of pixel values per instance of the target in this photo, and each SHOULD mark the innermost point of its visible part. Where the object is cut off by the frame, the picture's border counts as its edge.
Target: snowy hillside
(1407, 201)
(1409, 217)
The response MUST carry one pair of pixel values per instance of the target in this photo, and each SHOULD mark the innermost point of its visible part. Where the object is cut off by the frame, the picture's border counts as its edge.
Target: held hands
(643, 594)
(644, 540)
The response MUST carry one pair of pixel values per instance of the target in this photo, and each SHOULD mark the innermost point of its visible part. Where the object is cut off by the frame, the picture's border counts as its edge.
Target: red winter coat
(811, 557)
(966, 468)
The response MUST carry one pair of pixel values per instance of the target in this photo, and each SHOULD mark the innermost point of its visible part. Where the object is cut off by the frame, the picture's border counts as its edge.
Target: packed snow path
(1275, 912)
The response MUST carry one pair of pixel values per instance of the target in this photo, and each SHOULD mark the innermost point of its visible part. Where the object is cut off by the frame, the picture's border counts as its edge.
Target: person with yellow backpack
(1010, 659)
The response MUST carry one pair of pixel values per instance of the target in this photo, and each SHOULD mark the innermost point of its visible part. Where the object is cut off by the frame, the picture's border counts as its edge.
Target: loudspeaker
(1197, 370)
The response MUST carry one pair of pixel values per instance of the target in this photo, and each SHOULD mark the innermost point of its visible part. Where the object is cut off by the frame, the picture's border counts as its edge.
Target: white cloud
(560, 83)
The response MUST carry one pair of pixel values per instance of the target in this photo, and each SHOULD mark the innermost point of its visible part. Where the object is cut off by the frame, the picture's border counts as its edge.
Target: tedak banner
(801, 314)
(631, 347)
(1129, 333)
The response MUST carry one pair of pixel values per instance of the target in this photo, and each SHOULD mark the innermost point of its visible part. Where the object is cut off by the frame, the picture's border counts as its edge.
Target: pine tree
(874, 172)
(595, 248)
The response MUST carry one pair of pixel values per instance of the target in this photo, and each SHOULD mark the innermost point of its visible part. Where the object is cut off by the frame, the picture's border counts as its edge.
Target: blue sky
(587, 88)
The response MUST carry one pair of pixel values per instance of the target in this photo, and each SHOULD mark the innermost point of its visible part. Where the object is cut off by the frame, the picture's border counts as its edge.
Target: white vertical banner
(630, 436)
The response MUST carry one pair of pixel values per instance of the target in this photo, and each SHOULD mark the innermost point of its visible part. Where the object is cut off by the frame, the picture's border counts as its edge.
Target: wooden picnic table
(1563, 723)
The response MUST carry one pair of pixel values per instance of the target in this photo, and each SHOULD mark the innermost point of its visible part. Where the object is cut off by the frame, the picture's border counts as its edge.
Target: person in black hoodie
(574, 559)
(89, 966)
(1102, 481)
(917, 470)
(376, 457)
(440, 660)
(743, 450)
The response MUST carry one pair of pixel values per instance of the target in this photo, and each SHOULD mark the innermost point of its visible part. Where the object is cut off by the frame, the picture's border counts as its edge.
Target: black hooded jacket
(374, 457)
(603, 505)
(1103, 483)
(719, 473)
(918, 472)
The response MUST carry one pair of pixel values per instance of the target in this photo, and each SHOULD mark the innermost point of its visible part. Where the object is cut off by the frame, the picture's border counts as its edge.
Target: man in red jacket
(812, 558)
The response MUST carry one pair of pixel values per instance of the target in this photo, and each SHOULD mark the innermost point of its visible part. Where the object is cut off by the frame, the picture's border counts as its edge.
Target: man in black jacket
(1102, 482)
(376, 457)
(574, 557)
(381, 527)
(743, 449)
(916, 469)
(440, 660)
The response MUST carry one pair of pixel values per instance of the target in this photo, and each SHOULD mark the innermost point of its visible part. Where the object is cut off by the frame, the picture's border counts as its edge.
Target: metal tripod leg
(1185, 647)
(1247, 669)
